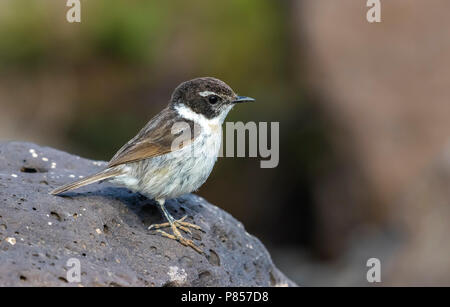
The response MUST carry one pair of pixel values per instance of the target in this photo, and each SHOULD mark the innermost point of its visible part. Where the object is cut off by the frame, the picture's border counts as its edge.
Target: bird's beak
(241, 99)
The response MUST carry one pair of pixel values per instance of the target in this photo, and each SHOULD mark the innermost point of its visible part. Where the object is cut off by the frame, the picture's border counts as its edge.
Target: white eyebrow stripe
(207, 93)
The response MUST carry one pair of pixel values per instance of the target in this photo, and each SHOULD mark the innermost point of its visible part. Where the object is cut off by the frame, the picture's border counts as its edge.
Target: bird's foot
(181, 224)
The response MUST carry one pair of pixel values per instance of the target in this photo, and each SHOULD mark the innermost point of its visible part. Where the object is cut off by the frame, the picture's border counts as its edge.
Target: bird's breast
(178, 172)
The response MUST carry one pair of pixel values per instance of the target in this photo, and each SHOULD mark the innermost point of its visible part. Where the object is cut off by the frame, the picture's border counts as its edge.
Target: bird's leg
(175, 224)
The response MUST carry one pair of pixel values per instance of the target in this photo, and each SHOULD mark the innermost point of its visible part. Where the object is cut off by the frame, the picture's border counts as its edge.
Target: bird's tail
(108, 173)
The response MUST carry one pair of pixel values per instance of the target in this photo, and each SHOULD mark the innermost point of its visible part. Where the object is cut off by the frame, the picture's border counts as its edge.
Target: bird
(175, 152)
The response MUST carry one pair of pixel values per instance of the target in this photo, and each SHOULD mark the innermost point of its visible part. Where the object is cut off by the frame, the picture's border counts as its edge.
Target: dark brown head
(207, 96)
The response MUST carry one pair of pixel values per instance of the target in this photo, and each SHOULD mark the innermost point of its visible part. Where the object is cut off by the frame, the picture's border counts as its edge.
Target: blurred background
(364, 115)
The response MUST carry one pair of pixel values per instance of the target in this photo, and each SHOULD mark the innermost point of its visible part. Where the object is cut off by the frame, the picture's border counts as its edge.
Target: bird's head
(207, 96)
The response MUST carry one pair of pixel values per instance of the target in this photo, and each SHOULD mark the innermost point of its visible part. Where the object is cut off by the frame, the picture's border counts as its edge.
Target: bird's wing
(164, 133)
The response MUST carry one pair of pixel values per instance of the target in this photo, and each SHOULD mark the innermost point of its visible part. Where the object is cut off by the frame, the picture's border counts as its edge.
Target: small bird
(175, 152)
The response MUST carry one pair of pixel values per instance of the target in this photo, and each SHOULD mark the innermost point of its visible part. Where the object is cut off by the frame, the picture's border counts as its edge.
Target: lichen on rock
(105, 228)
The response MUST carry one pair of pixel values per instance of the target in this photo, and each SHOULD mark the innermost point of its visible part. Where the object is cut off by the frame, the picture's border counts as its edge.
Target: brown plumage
(155, 139)
(108, 173)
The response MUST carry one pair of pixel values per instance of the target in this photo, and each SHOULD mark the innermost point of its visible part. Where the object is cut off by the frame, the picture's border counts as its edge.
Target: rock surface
(105, 228)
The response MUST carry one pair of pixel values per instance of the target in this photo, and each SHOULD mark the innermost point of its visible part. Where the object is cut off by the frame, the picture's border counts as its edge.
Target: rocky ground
(105, 229)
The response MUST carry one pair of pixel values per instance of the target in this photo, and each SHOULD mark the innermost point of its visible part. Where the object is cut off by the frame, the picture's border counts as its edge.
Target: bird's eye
(213, 99)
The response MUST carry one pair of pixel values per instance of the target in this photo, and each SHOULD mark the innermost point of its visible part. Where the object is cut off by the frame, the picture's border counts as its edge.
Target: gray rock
(105, 228)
